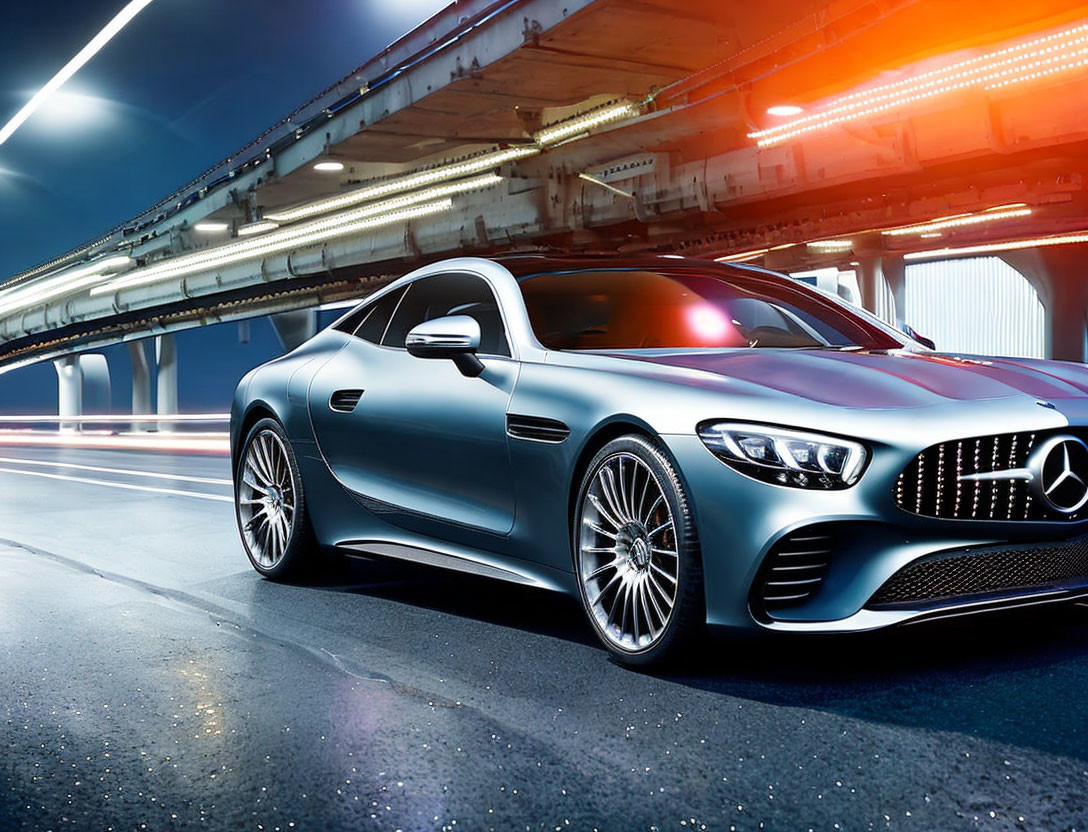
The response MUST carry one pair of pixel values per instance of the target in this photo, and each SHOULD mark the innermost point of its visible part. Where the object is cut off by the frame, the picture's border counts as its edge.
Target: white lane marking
(124, 471)
(129, 486)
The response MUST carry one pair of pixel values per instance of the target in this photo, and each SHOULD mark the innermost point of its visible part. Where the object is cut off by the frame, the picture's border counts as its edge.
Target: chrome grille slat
(924, 487)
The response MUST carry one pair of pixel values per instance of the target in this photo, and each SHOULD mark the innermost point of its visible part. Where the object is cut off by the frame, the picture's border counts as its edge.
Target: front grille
(931, 484)
(985, 572)
(795, 568)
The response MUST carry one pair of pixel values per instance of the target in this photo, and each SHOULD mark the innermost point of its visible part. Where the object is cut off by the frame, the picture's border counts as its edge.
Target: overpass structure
(793, 133)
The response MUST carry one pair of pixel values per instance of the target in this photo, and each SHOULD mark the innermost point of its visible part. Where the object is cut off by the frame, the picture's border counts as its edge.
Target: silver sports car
(682, 444)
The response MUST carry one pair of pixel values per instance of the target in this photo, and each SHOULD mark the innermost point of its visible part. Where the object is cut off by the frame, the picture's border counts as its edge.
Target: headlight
(786, 457)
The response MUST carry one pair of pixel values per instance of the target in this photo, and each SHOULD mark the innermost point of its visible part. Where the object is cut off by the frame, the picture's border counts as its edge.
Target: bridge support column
(294, 328)
(166, 379)
(141, 382)
(97, 390)
(1058, 275)
(870, 280)
(69, 390)
(894, 269)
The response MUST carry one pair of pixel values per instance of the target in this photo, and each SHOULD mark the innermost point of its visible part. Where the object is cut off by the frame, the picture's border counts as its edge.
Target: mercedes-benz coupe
(680, 444)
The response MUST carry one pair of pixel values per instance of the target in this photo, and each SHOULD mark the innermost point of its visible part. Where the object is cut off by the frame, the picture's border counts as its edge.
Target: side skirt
(449, 559)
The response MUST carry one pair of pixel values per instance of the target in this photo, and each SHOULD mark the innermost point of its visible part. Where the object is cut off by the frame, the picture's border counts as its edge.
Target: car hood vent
(344, 401)
(536, 428)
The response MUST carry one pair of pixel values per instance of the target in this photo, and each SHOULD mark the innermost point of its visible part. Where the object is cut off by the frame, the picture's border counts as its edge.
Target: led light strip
(408, 183)
(73, 281)
(1058, 52)
(752, 255)
(831, 245)
(270, 244)
(742, 256)
(1004, 212)
(988, 248)
(570, 128)
(258, 227)
(215, 254)
(43, 289)
(581, 124)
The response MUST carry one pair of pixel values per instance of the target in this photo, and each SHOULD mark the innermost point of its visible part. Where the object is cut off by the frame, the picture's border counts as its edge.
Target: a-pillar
(1058, 275)
(870, 280)
(69, 391)
(141, 382)
(166, 377)
(295, 328)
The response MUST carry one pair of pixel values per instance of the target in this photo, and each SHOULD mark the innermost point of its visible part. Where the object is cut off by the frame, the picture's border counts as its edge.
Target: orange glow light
(1062, 51)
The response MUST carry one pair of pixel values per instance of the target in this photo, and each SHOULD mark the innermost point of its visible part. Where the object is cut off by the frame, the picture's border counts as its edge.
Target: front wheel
(270, 504)
(637, 554)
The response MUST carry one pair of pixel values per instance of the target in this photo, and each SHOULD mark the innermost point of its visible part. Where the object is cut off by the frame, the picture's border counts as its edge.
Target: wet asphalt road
(150, 680)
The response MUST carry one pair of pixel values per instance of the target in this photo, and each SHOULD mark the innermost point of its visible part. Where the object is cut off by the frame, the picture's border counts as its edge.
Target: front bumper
(741, 521)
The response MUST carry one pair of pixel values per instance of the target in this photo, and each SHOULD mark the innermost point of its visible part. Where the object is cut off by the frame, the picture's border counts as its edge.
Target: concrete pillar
(97, 390)
(166, 378)
(69, 390)
(894, 269)
(870, 278)
(141, 383)
(294, 328)
(1060, 276)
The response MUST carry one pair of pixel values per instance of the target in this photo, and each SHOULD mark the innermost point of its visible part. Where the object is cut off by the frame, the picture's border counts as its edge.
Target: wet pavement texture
(151, 680)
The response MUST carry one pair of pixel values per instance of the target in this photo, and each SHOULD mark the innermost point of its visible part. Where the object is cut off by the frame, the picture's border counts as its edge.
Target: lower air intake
(795, 568)
(987, 572)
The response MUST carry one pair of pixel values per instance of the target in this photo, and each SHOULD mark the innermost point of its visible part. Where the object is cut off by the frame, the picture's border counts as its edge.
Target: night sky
(186, 84)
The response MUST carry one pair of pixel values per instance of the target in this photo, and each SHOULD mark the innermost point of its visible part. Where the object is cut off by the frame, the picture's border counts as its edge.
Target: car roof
(522, 265)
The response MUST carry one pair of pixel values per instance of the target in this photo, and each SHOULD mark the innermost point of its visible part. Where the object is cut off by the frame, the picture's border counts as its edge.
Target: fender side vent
(344, 401)
(536, 428)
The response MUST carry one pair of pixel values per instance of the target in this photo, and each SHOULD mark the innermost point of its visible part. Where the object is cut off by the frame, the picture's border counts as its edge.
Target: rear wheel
(637, 554)
(271, 506)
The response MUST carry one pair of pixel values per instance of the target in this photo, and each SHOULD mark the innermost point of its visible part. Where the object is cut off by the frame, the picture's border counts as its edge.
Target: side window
(450, 294)
(351, 323)
(372, 326)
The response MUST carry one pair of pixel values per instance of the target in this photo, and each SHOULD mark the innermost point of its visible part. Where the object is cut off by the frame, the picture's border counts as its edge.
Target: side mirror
(921, 339)
(456, 337)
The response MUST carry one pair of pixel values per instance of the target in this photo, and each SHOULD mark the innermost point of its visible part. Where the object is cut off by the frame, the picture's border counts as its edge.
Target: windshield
(687, 308)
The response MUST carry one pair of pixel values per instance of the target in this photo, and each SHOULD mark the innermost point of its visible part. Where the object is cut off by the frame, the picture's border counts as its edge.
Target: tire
(635, 543)
(270, 505)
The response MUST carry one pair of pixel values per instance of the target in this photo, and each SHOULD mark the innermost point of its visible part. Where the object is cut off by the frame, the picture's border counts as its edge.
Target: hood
(895, 379)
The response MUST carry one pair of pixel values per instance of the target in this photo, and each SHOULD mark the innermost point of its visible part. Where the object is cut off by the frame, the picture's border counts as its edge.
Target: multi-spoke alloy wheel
(634, 549)
(269, 501)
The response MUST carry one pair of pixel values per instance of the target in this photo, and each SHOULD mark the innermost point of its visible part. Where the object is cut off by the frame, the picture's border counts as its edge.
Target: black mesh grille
(987, 571)
(795, 568)
(931, 484)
